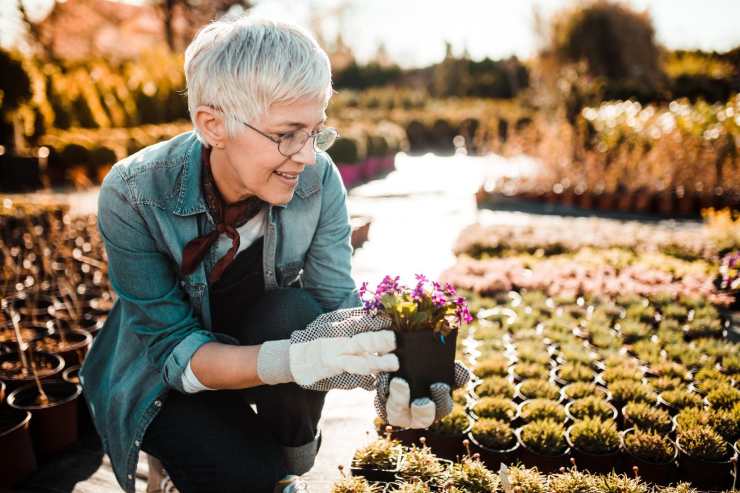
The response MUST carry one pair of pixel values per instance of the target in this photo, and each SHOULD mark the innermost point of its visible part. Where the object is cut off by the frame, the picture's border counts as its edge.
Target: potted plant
(543, 445)
(471, 476)
(723, 397)
(537, 389)
(491, 367)
(705, 458)
(445, 436)
(574, 372)
(525, 480)
(624, 391)
(378, 461)
(677, 399)
(494, 407)
(426, 320)
(538, 409)
(579, 390)
(669, 369)
(410, 487)
(653, 453)
(406, 436)
(495, 387)
(595, 444)
(354, 484)
(494, 440)
(590, 407)
(647, 417)
(420, 464)
(571, 481)
(522, 371)
(16, 447)
(616, 373)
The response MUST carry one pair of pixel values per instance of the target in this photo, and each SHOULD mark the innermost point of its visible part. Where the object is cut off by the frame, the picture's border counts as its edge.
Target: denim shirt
(150, 205)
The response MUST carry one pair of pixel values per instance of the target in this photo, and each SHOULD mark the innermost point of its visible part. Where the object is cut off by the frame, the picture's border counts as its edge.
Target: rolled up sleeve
(154, 307)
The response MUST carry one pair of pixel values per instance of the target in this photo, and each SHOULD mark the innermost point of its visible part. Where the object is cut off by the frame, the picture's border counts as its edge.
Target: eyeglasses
(291, 143)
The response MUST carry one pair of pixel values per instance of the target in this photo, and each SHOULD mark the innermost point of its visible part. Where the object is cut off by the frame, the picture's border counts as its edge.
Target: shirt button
(158, 403)
(131, 476)
(137, 443)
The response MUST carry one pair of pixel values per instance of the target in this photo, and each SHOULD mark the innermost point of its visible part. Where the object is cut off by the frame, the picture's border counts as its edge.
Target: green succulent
(495, 407)
(415, 486)
(702, 442)
(649, 445)
(618, 483)
(594, 435)
(455, 423)
(579, 390)
(624, 391)
(527, 480)
(494, 434)
(355, 485)
(471, 476)
(495, 387)
(591, 406)
(723, 397)
(576, 372)
(544, 437)
(647, 417)
(661, 384)
(726, 422)
(531, 370)
(680, 399)
(491, 367)
(380, 454)
(616, 373)
(536, 389)
(669, 369)
(632, 330)
(731, 365)
(420, 463)
(571, 481)
(538, 409)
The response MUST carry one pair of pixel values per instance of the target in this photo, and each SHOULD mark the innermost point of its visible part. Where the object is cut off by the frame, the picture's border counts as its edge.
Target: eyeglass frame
(278, 141)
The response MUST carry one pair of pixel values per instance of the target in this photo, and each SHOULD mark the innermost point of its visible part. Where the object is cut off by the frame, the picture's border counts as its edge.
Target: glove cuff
(273, 362)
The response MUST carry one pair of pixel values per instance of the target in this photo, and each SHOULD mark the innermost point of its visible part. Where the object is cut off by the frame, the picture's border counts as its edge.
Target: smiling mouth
(289, 178)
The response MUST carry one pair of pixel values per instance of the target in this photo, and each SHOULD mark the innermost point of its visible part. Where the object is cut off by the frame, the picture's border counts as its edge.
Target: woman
(229, 250)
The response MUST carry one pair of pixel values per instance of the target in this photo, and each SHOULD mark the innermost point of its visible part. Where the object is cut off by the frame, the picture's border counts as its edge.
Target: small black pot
(653, 472)
(407, 437)
(613, 417)
(446, 446)
(17, 460)
(78, 343)
(493, 458)
(704, 474)
(85, 422)
(545, 463)
(54, 426)
(424, 359)
(374, 474)
(15, 380)
(594, 463)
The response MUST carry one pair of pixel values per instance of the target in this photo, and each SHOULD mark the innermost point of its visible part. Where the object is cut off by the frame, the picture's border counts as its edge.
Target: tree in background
(15, 89)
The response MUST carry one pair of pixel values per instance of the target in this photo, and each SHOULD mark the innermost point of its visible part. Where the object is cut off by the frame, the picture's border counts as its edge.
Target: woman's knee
(280, 312)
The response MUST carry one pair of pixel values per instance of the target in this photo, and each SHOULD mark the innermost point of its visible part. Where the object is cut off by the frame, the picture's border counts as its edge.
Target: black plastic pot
(374, 474)
(54, 426)
(493, 458)
(614, 415)
(16, 380)
(600, 391)
(78, 343)
(406, 437)
(424, 359)
(704, 474)
(446, 446)
(653, 472)
(17, 460)
(85, 422)
(545, 463)
(594, 463)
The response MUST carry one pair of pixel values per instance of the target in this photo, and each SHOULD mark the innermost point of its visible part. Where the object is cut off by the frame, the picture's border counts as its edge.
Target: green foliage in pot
(471, 476)
(674, 311)
(539, 409)
(666, 383)
(595, 436)
(575, 372)
(633, 331)
(576, 353)
(680, 398)
(545, 437)
(414, 486)
(531, 370)
(538, 389)
(570, 481)
(355, 485)
(723, 397)
(527, 480)
(460, 396)
(420, 463)
(533, 355)
(495, 407)
(640, 312)
(703, 327)
(379, 454)
(496, 387)
(692, 416)
(730, 365)
(619, 360)
(618, 483)
(579, 390)
(702, 442)
(669, 369)
(591, 406)
(630, 391)
(726, 422)
(617, 373)
(647, 417)
(454, 424)
(649, 445)
(491, 367)
(679, 488)
(494, 434)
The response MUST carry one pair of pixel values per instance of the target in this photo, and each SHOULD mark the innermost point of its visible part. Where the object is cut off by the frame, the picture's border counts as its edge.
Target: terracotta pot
(424, 358)
(54, 425)
(653, 472)
(53, 365)
(17, 460)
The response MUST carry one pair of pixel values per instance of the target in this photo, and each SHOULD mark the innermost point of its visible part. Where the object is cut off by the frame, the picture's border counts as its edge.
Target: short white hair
(241, 66)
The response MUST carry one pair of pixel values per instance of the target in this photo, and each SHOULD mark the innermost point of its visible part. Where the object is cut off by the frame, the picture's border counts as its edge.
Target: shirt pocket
(290, 275)
(194, 290)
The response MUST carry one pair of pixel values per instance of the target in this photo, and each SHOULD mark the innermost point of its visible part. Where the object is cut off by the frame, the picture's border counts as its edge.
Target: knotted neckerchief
(227, 217)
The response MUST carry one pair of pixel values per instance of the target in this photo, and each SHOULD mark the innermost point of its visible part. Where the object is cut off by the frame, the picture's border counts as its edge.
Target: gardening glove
(393, 395)
(343, 349)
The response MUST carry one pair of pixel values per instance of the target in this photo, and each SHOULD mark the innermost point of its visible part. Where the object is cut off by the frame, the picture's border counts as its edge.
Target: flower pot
(545, 463)
(704, 474)
(54, 425)
(600, 392)
(493, 458)
(425, 358)
(653, 472)
(84, 421)
(47, 366)
(406, 437)
(17, 459)
(30, 332)
(613, 416)
(375, 474)
(594, 463)
(74, 348)
(446, 446)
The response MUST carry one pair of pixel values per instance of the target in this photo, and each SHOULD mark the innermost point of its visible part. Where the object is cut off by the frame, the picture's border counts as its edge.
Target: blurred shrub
(15, 88)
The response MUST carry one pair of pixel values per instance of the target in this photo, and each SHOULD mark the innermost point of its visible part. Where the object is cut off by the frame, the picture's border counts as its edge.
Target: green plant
(679, 488)
(491, 366)
(640, 312)
(527, 480)
(415, 486)
(649, 445)
(703, 327)
(633, 331)
(726, 422)
(579, 390)
(460, 396)
(495, 387)
(494, 434)
(647, 417)
(618, 483)
(533, 355)
(455, 423)
(575, 372)
(380, 454)
(680, 399)
(420, 463)
(692, 416)
(616, 373)
(594, 435)
(731, 365)
(545, 437)
(538, 409)
(531, 370)
(495, 407)
(675, 311)
(355, 485)
(624, 391)
(669, 369)
(570, 481)
(471, 476)
(665, 383)
(591, 406)
(702, 442)
(534, 389)
(723, 397)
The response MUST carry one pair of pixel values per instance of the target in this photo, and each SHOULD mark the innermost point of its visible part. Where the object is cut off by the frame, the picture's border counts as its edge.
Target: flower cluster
(730, 272)
(426, 306)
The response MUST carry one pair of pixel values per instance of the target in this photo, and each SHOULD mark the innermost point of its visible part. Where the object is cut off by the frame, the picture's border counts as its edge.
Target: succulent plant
(594, 435)
(379, 454)
(544, 437)
(674, 311)
(495, 387)
(419, 463)
(703, 327)
(414, 486)
(618, 483)
(576, 353)
(632, 330)
(460, 396)
(536, 389)
(624, 391)
(527, 480)
(692, 416)
(495, 407)
(723, 397)
(571, 481)
(726, 422)
(661, 384)
(649, 445)
(576, 372)
(491, 366)
(591, 406)
(669, 369)
(532, 355)
(680, 399)
(454, 424)
(579, 390)
(355, 485)
(640, 312)
(531, 370)
(494, 434)
(730, 365)
(647, 417)
(702, 442)
(616, 373)
(538, 409)
(471, 476)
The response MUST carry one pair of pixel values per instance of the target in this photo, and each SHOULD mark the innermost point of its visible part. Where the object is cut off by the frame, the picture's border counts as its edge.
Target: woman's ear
(211, 125)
